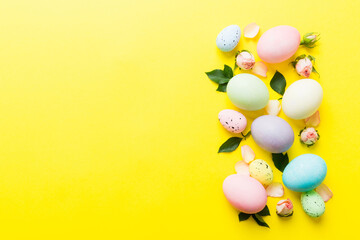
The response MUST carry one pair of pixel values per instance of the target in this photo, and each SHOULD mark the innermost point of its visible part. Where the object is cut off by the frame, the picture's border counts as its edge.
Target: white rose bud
(245, 60)
(284, 208)
(304, 67)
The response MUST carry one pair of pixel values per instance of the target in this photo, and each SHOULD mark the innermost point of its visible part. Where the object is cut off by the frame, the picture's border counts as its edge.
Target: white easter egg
(302, 99)
(228, 38)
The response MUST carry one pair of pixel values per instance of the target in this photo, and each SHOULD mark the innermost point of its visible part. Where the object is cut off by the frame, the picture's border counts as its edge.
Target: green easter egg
(312, 203)
(247, 92)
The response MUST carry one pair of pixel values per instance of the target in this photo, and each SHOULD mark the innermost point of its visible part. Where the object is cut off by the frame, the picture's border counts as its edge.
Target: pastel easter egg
(261, 171)
(248, 92)
(228, 38)
(278, 44)
(312, 203)
(304, 173)
(244, 193)
(232, 120)
(302, 98)
(272, 133)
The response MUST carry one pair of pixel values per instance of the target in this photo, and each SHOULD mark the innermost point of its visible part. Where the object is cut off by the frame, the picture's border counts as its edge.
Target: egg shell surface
(272, 133)
(232, 120)
(302, 99)
(304, 173)
(244, 193)
(312, 203)
(261, 171)
(228, 38)
(248, 92)
(278, 44)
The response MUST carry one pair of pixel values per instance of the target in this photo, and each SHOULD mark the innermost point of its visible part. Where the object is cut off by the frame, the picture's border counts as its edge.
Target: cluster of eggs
(273, 134)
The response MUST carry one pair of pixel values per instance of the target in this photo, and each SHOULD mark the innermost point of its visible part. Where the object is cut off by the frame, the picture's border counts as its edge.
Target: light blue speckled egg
(312, 203)
(228, 38)
(304, 173)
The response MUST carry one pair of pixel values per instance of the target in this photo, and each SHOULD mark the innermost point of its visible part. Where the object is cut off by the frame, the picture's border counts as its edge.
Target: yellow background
(109, 125)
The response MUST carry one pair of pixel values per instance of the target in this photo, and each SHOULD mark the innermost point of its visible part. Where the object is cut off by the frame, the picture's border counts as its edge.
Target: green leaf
(243, 216)
(278, 83)
(230, 145)
(246, 135)
(280, 160)
(314, 70)
(218, 76)
(311, 58)
(264, 212)
(259, 220)
(222, 87)
(228, 72)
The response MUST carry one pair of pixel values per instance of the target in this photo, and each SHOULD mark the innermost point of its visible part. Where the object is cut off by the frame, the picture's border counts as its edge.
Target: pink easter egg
(232, 120)
(278, 44)
(244, 193)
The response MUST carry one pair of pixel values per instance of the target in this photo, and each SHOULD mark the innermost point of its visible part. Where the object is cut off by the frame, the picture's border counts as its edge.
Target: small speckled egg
(261, 171)
(278, 44)
(228, 38)
(244, 193)
(302, 98)
(312, 203)
(272, 133)
(248, 92)
(232, 120)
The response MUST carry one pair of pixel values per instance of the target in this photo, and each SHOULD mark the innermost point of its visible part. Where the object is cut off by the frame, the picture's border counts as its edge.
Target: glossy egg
(228, 38)
(232, 120)
(302, 98)
(278, 44)
(244, 193)
(272, 133)
(304, 173)
(261, 171)
(312, 203)
(248, 92)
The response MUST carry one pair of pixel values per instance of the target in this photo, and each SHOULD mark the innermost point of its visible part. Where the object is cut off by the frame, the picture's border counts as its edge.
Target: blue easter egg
(228, 38)
(304, 173)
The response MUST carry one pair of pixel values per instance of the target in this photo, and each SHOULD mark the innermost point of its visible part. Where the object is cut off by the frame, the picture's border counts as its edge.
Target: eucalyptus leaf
(278, 83)
(243, 216)
(259, 220)
(280, 160)
(230, 145)
(264, 212)
(222, 87)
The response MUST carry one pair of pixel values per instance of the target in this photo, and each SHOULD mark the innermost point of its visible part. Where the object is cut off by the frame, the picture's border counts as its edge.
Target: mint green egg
(247, 92)
(312, 203)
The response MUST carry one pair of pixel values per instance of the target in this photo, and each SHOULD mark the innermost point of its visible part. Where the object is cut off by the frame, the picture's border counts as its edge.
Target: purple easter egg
(272, 133)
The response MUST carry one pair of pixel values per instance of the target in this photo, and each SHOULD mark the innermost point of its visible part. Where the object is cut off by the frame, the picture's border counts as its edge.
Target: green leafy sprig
(232, 143)
(257, 217)
(278, 83)
(221, 77)
(280, 160)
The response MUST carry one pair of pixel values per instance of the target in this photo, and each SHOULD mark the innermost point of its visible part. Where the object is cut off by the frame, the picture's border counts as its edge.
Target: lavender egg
(272, 133)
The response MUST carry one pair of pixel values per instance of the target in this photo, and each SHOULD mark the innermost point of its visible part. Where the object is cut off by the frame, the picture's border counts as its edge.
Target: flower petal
(251, 30)
(313, 120)
(260, 69)
(242, 168)
(325, 192)
(275, 189)
(273, 107)
(247, 153)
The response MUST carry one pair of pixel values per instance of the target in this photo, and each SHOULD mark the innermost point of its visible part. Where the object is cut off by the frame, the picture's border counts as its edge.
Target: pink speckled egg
(244, 193)
(232, 120)
(278, 44)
